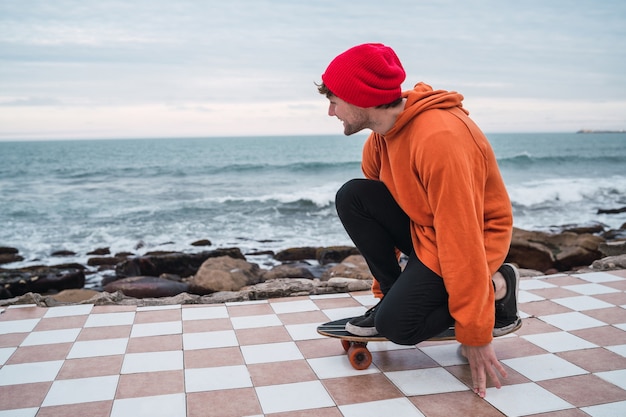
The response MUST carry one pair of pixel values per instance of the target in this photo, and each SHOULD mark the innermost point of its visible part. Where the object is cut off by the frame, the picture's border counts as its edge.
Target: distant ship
(600, 131)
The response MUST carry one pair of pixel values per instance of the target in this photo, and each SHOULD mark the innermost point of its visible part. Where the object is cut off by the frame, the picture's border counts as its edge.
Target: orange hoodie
(441, 170)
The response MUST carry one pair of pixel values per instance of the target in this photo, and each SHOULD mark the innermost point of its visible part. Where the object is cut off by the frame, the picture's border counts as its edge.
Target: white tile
(217, 378)
(619, 349)
(367, 300)
(271, 352)
(386, 346)
(49, 337)
(160, 308)
(606, 410)
(426, 381)
(25, 373)
(617, 377)
(245, 303)
(305, 331)
(256, 322)
(156, 329)
(82, 390)
(445, 355)
(205, 313)
(527, 297)
(21, 412)
(341, 313)
(208, 340)
(534, 284)
(590, 289)
(543, 367)
(336, 367)
(73, 310)
(5, 354)
(582, 303)
(110, 319)
(135, 363)
(571, 321)
(18, 326)
(559, 341)
(400, 407)
(598, 277)
(156, 406)
(94, 348)
(293, 306)
(329, 296)
(292, 397)
(525, 399)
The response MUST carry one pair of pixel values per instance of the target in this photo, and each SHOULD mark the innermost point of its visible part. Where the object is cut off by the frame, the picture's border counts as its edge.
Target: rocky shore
(225, 274)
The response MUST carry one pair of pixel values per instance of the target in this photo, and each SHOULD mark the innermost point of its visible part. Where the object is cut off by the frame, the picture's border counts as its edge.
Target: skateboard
(356, 346)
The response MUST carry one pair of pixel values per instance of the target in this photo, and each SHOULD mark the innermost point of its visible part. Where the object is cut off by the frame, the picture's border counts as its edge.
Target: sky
(191, 68)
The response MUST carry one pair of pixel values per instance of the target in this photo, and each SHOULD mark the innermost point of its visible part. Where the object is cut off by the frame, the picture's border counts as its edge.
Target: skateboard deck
(356, 346)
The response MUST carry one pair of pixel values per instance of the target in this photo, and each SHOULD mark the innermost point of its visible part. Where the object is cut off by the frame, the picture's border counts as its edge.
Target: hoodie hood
(421, 98)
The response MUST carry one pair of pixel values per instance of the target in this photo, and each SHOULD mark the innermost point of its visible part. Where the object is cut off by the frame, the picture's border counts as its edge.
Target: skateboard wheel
(359, 356)
(345, 344)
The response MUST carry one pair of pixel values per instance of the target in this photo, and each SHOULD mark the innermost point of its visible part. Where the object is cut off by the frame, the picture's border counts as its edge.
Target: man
(432, 191)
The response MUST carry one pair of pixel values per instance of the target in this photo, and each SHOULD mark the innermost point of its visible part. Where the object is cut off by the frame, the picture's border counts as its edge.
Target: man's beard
(362, 122)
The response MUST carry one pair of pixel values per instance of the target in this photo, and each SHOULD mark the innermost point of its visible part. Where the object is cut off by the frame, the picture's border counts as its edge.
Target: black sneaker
(363, 325)
(507, 318)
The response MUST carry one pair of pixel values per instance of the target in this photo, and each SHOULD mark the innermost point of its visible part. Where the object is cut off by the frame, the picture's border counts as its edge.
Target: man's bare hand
(483, 362)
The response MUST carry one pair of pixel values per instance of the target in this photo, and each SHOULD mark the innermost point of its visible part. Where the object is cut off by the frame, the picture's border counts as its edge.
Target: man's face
(354, 118)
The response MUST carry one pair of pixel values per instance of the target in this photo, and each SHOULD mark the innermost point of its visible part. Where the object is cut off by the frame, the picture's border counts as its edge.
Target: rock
(613, 248)
(63, 253)
(100, 252)
(610, 263)
(334, 254)
(75, 295)
(104, 260)
(9, 255)
(183, 264)
(353, 266)
(39, 280)
(297, 270)
(147, 286)
(543, 251)
(224, 273)
(296, 254)
(282, 287)
(202, 242)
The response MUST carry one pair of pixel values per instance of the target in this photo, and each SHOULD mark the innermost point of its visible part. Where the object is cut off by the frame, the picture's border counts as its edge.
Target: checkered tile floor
(266, 359)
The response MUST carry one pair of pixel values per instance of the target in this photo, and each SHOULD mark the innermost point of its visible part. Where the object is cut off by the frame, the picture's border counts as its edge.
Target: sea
(259, 194)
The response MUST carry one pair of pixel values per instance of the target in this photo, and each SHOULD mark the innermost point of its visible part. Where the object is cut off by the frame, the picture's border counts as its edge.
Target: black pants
(415, 303)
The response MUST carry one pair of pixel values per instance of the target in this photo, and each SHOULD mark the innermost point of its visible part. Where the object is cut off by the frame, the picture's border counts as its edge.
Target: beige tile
(276, 373)
(571, 412)
(584, 390)
(227, 403)
(533, 325)
(320, 348)
(210, 325)
(543, 308)
(258, 336)
(463, 373)
(615, 298)
(303, 317)
(552, 293)
(602, 336)
(515, 347)
(207, 358)
(57, 323)
(613, 315)
(339, 302)
(99, 333)
(464, 403)
(595, 360)
(91, 367)
(565, 280)
(359, 389)
(155, 343)
(150, 383)
(92, 409)
(12, 339)
(158, 316)
(317, 412)
(23, 313)
(245, 310)
(112, 309)
(402, 360)
(618, 285)
(23, 395)
(40, 353)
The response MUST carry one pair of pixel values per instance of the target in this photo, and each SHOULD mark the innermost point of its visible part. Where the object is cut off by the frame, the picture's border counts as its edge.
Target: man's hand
(483, 362)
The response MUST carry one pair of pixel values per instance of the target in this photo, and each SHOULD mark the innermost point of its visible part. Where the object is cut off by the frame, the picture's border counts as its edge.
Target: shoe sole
(361, 331)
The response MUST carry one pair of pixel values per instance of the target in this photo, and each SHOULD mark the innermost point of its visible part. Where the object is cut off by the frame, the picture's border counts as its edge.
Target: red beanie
(366, 75)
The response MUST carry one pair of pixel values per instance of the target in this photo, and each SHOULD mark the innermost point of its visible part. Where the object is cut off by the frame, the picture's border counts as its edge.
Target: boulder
(183, 264)
(146, 287)
(296, 254)
(295, 270)
(353, 266)
(224, 273)
(39, 280)
(610, 263)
